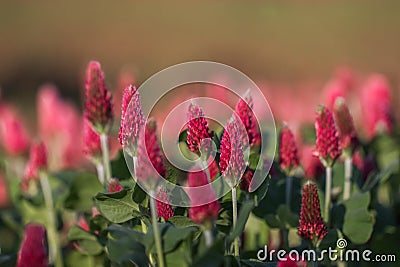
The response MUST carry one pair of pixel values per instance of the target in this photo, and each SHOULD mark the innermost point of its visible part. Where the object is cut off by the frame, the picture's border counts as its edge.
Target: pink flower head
(164, 209)
(231, 158)
(197, 128)
(98, 105)
(312, 166)
(13, 133)
(244, 110)
(291, 262)
(206, 212)
(150, 164)
(33, 250)
(334, 89)
(114, 186)
(311, 225)
(347, 133)
(91, 142)
(132, 120)
(327, 148)
(376, 106)
(59, 124)
(288, 156)
(37, 161)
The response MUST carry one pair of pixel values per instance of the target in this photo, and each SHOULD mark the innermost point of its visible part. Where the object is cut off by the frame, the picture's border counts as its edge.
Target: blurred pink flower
(202, 213)
(312, 166)
(13, 133)
(376, 106)
(114, 186)
(98, 101)
(60, 126)
(333, 90)
(288, 155)
(33, 250)
(150, 162)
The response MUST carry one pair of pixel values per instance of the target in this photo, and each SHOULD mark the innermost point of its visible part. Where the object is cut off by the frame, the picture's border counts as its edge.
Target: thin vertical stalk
(235, 214)
(208, 237)
(347, 178)
(157, 236)
(289, 182)
(328, 189)
(54, 247)
(100, 172)
(106, 158)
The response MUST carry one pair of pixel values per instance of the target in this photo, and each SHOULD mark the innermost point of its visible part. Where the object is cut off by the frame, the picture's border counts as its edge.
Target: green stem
(100, 172)
(347, 178)
(328, 189)
(235, 214)
(54, 248)
(106, 158)
(157, 236)
(208, 237)
(289, 182)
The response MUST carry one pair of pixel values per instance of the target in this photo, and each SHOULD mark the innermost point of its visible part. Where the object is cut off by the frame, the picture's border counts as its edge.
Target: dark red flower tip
(288, 155)
(132, 120)
(198, 129)
(114, 186)
(244, 109)
(327, 145)
(347, 133)
(232, 162)
(164, 208)
(311, 224)
(33, 250)
(98, 102)
(150, 158)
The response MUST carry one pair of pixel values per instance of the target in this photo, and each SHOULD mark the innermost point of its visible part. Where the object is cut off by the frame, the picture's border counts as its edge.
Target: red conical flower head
(347, 133)
(132, 119)
(164, 209)
(311, 225)
(91, 141)
(288, 155)
(197, 128)
(33, 250)
(98, 105)
(244, 110)
(327, 146)
(114, 186)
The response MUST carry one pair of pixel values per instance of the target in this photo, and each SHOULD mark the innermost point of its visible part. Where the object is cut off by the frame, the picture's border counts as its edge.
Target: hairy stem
(106, 158)
(289, 182)
(54, 247)
(347, 178)
(157, 236)
(235, 214)
(328, 189)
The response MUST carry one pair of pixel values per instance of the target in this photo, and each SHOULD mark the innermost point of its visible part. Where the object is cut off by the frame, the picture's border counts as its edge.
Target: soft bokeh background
(276, 41)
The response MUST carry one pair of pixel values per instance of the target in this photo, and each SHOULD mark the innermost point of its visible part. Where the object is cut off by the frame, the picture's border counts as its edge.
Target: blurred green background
(52, 41)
